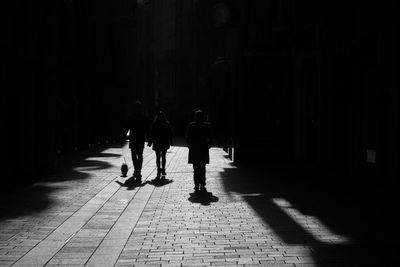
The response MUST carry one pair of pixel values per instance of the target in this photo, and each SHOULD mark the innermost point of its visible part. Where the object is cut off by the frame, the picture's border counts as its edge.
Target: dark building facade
(67, 73)
(321, 80)
(185, 60)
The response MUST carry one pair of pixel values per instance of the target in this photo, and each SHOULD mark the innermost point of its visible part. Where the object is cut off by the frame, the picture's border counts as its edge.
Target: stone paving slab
(90, 216)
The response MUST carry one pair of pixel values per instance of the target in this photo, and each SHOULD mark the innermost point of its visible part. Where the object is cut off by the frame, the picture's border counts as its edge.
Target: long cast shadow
(338, 212)
(28, 200)
(32, 198)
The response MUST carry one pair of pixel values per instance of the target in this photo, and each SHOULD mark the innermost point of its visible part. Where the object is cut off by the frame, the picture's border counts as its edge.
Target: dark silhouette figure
(161, 139)
(138, 126)
(199, 141)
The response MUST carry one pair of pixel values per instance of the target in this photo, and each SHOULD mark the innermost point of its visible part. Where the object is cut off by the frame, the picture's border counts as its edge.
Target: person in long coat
(199, 141)
(161, 139)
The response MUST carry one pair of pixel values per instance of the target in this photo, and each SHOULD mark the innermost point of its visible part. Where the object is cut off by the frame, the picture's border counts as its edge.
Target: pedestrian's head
(199, 116)
(160, 118)
(137, 107)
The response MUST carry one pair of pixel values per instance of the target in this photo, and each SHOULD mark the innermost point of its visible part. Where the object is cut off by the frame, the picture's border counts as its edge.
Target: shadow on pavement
(32, 198)
(74, 166)
(132, 183)
(311, 198)
(204, 198)
(160, 181)
(107, 155)
(26, 201)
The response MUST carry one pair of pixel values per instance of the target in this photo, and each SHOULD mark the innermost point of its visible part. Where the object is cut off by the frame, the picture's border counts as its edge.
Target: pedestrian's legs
(140, 160)
(196, 176)
(158, 162)
(202, 176)
(134, 160)
(163, 161)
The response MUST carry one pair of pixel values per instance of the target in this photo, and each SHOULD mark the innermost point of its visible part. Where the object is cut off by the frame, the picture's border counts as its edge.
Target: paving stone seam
(28, 188)
(148, 160)
(61, 243)
(94, 257)
(73, 214)
(168, 165)
(100, 248)
(52, 232)
(166, 190)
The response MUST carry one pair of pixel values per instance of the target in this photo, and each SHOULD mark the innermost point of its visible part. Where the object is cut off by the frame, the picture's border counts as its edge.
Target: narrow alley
(88, 215)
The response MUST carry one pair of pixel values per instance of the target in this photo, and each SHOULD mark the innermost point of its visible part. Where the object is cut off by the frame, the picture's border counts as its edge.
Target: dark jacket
(199, 141)
(138, 126)
(161, 136)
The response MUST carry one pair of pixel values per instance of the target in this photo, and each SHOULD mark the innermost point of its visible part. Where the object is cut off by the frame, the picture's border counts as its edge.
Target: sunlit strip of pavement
(45, 250)
(312, 224)
(111, 247)
(109, 250)
(162, 223)
(236, 225)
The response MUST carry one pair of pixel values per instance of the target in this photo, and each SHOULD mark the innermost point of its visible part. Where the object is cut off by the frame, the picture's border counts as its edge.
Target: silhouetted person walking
(138, 126)
(199, 141)
(161, 139)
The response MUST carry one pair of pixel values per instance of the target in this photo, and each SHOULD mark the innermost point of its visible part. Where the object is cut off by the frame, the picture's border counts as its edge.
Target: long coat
(161, 136)
(199, 141)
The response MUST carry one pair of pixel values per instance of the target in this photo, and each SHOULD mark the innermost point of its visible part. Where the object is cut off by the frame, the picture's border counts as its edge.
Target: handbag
(124, 167)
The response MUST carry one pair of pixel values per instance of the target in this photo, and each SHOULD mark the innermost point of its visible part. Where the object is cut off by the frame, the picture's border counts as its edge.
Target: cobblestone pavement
(88, 215)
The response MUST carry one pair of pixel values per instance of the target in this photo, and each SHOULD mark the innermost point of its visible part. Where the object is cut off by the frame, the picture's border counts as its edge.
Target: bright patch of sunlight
(311, 224)
(87, 168)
